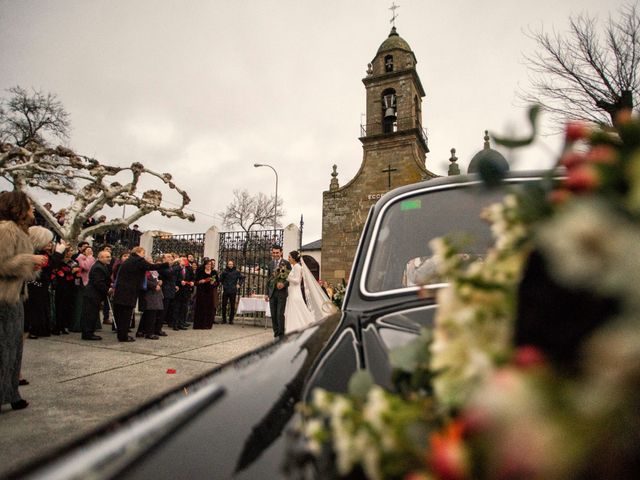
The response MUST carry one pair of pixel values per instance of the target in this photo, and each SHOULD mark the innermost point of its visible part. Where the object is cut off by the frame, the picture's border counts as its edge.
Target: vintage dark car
(232, 421)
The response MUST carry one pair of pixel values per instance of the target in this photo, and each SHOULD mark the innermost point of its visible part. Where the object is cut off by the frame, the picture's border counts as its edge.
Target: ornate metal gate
(251, 253)
(189, 243)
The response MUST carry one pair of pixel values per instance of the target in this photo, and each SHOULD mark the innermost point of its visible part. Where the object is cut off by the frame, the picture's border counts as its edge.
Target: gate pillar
(212, 244)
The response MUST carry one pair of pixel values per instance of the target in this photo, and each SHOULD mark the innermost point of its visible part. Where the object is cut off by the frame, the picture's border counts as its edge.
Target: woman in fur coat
(17, 265)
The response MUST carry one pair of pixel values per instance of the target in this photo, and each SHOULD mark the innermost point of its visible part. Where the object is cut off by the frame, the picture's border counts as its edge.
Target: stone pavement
(77, 385)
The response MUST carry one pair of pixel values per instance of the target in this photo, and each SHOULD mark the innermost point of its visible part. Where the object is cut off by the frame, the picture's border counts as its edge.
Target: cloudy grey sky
(204, 89)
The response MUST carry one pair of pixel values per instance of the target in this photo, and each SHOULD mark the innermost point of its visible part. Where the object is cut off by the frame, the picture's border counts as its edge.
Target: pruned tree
(91, 185)
(587, 73)
(32, 117)
(250, 211)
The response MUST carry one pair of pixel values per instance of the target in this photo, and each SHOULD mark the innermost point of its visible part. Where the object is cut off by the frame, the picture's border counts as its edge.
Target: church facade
(394, 146)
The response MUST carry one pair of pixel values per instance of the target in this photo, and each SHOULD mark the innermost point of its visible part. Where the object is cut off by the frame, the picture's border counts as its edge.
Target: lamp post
(275, 205)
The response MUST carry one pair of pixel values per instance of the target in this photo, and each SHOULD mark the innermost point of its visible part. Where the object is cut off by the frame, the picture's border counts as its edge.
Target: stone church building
(394, 146)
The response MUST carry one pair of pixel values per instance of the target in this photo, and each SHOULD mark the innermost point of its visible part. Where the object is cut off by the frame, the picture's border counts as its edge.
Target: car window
(401, 256)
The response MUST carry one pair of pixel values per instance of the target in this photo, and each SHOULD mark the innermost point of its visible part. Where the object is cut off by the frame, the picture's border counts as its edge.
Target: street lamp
(275, 205)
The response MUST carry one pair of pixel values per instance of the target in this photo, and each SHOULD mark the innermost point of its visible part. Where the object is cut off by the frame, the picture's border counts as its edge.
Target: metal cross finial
(393, 8)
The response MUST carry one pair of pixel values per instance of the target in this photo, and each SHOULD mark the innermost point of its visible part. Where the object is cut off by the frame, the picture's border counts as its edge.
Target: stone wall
(345, 209)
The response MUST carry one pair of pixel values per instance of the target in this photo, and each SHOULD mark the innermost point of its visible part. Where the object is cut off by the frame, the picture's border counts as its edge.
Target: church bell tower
(394, 145)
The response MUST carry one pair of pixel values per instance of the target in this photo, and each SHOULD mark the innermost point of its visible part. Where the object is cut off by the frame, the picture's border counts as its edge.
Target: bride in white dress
(297, 315)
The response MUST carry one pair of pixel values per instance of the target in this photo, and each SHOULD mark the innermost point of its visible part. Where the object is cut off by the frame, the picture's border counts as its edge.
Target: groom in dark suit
(277, 289)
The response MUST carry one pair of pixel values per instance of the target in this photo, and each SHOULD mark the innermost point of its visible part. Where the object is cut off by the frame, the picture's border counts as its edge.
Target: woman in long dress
(296, 313)
(206, 290)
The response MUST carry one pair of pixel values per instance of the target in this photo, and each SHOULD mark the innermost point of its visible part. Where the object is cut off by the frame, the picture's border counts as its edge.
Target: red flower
(576, 131)
(583, 178)
(528, 356)
(449, 458)
(603, 154)
(572, 159)
(60, 273)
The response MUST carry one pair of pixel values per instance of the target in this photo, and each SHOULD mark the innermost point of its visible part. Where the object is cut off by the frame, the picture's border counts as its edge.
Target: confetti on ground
(171, 370)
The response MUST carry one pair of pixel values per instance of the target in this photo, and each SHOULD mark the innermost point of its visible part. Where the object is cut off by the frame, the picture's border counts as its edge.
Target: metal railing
(401, 124)
(184, 244)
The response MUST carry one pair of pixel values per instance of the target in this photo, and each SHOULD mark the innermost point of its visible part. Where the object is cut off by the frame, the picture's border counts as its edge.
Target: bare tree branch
(30, 117)
(93, 187)
(582, 75)
(249, 211)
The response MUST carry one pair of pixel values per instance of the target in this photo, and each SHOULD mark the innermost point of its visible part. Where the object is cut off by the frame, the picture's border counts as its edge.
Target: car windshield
(401, 256)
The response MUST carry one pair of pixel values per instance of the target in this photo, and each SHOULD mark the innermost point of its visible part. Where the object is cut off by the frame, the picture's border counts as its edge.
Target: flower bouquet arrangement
(532, 370)
(281, 274)
(338, 294)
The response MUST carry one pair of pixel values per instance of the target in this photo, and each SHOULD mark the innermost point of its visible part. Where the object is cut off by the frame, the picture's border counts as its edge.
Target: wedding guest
(105, 304)
(128, 284)
(95, 293)
(61, 216)
(230, 280)
(169, 277)
(152, 314)
(85, 261)
(206, 288)
(185, 282)
(81, 246)
(37, 308)
(64, 283)
(17, 265)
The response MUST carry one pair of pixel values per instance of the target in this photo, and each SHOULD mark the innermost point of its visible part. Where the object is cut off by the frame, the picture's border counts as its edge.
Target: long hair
(15, 207)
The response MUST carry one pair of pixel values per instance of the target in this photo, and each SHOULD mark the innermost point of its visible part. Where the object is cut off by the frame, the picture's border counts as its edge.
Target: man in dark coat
(185, 281)
(277, 289)
(94, 294)
(128, 284)
(169, 276)
(230, 279)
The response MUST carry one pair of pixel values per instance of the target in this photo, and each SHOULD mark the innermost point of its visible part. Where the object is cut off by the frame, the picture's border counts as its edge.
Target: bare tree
(90, 184)
(249, 211)
(587, 74)
(30, 117)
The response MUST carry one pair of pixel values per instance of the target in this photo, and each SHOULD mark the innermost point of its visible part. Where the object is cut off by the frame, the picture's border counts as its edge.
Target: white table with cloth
(255, 304)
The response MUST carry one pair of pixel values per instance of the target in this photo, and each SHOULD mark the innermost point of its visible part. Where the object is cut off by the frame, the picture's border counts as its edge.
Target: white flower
(591, 246)
(375, 408)
(321, 399)
(313, 431)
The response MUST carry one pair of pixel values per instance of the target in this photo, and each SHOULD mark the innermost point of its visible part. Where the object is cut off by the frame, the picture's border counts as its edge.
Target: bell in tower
(389, 112)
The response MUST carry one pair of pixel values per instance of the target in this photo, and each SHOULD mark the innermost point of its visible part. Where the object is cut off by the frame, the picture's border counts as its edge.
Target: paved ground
(76, 385)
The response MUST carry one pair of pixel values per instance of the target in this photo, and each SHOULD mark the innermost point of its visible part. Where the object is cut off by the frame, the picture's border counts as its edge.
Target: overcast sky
(204, 89)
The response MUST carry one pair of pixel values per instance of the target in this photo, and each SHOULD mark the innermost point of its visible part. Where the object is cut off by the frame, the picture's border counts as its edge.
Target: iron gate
(185, 244)
(251, 253)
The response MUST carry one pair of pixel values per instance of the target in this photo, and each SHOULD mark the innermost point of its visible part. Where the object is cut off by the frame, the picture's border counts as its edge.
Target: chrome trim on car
(376, 228)
(104, 457)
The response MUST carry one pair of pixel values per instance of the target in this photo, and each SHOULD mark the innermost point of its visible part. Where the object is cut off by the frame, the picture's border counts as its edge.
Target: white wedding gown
(296, 313)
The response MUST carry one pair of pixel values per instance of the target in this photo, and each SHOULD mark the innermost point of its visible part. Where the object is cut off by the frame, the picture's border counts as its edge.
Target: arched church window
(388, 63)
(389, 111)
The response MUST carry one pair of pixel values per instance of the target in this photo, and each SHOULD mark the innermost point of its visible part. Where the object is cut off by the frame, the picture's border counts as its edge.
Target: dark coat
(99, 282)
(185, 274)
(169, 276)
(230, 279)
(152, 297)
(130, 278)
